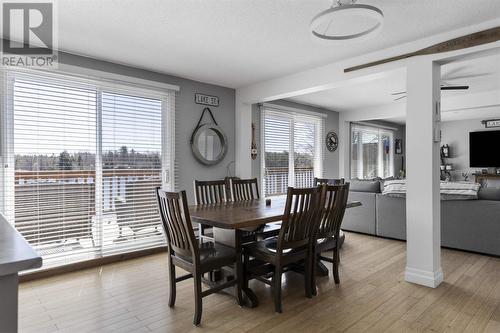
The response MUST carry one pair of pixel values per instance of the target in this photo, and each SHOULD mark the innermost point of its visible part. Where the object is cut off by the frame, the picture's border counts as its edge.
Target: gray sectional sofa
(471, 225)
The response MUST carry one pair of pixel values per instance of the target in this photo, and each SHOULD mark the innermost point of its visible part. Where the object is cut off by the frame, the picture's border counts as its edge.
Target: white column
(243, 134)
(423, 206)
(344, 148)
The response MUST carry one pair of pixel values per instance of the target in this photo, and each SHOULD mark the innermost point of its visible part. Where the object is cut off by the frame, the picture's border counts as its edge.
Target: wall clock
(332, 141)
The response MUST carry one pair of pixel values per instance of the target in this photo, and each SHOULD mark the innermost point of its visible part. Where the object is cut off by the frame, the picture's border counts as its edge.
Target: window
(293, 153)
(87, 157)
(372, 152)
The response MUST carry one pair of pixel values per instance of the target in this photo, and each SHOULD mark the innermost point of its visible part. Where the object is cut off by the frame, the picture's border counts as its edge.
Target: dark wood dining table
(231, 219)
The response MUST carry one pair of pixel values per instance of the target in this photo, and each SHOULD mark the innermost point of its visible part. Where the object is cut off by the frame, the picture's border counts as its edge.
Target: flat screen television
(484, 149)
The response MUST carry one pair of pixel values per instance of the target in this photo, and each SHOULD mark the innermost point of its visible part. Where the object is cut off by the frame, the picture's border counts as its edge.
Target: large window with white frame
(83, 158)
(372, 152)
(292, 149)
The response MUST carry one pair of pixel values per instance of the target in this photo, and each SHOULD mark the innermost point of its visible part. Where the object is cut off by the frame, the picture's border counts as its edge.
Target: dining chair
(244, 189)
(293, 244)
(229, 191)
(327, 237)
(208, 192)
(328, 181)
(185, 252)
(248, 189)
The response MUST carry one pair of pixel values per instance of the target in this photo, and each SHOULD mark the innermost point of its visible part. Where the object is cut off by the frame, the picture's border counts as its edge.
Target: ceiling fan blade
(454, 87)
(461, 77)
(443, 87)
(453, 71)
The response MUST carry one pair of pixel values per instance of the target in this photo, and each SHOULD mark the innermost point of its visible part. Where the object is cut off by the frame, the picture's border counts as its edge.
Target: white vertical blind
(86, 157)
(372, 152)
(292, 150)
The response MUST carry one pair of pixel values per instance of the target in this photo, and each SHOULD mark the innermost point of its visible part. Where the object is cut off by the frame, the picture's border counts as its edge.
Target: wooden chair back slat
(177, 223)
(299, 221)
(335, 206)
(209, 191)
(244, 189)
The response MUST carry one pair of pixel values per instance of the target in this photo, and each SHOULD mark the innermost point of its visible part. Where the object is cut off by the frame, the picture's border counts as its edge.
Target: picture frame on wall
(398, 149)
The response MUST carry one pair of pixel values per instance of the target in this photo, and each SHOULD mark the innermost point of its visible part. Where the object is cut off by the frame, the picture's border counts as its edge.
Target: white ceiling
(234, 42)
(482, 74)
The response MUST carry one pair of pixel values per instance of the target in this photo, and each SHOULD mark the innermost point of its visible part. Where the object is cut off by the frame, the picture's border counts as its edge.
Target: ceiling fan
(443, 87)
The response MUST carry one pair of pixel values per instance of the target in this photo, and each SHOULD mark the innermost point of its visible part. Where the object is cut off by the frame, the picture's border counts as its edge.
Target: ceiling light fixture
(322, 23)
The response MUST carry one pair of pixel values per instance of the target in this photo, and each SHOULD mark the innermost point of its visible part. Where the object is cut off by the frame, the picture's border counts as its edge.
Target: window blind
(293, 153)
(54, 151)
(131, 171)
(84, 158)
(372, 152)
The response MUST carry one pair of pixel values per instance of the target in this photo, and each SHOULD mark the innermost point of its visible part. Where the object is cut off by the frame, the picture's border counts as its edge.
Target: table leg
(321, 269)
(233, 238)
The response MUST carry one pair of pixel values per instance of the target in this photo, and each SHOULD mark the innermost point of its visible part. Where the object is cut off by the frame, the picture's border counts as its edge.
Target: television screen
(484, 149)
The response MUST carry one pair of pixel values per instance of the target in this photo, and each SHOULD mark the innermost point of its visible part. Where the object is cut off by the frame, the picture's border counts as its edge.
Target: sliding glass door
(87, 160)
(54, 127)
(292, 150)
(131, 171)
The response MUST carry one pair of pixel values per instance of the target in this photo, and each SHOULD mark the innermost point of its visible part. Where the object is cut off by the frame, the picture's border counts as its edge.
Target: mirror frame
(222, 137)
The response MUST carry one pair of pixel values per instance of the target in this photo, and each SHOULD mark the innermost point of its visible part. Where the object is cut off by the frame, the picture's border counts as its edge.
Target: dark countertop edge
(11, 238)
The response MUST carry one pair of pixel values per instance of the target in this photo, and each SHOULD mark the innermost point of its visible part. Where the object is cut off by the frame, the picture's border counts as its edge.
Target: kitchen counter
(16, 255)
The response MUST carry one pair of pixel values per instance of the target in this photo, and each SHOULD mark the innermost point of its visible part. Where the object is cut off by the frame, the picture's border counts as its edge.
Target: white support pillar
(344, 147)
(243, 130)
(423, 206)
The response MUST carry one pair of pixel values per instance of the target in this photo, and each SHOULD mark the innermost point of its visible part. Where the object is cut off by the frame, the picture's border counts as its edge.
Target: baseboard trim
(425, 278)
(41, 274)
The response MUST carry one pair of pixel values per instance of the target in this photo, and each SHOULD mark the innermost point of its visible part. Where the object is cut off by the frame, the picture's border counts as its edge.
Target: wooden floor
(372, 297)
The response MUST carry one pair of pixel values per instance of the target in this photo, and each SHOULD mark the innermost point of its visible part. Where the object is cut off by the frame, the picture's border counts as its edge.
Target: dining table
(232, 219)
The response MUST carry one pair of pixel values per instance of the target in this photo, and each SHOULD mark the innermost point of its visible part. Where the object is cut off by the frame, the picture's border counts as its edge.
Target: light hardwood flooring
(132, 296)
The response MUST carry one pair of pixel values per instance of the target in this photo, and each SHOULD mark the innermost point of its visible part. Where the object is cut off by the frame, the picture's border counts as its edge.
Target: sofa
(470, 225)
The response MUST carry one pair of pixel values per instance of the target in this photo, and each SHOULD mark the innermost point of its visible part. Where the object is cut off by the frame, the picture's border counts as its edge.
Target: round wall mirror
(209, 144)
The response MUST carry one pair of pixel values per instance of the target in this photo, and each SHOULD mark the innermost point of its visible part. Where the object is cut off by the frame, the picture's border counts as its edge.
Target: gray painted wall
(331, 160)
(187, 115)
(456, 134)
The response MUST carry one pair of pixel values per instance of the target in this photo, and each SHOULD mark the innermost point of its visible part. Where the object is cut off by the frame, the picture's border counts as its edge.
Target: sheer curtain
(372, 152)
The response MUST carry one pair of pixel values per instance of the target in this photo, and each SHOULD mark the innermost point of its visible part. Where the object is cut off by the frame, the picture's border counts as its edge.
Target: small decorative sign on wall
(206, 99)
(491, 123)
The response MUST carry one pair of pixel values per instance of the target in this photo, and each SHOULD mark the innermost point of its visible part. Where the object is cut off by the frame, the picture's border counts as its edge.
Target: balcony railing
(276, 181)
(56, 210)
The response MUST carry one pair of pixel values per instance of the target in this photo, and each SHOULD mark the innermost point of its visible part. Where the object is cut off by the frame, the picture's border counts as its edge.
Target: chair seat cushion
(270, 230)
(325, 244)
(213, 255)
(266, 249)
